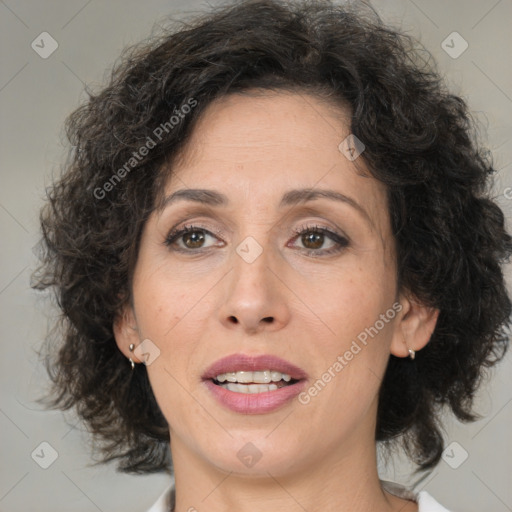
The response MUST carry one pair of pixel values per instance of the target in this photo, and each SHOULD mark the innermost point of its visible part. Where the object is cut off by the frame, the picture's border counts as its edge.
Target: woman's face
(289, 253)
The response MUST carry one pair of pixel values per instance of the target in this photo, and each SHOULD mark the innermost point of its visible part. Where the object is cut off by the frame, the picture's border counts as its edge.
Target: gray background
(36, 94)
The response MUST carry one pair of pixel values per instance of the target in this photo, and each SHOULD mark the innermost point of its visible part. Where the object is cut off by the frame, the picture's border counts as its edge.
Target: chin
(253, 456)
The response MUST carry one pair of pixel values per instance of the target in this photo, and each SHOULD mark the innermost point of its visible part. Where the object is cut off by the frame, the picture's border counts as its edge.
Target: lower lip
(255, 403)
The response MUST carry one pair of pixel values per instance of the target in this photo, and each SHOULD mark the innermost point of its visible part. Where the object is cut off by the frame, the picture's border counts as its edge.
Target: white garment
(425, 502)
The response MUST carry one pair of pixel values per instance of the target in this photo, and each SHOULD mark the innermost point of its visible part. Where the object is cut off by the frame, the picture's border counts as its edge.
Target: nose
(255, 296)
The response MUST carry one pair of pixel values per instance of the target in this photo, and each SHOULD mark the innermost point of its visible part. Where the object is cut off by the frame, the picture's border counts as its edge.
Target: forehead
(255, 147)
(266, 126)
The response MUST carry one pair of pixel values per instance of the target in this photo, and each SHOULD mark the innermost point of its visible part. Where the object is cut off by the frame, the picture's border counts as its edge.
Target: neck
(341, 479)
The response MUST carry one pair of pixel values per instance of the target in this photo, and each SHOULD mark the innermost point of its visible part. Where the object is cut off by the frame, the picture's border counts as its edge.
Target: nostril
(267, 319)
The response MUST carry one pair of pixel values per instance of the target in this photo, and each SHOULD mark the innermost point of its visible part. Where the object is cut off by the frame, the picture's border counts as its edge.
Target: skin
(295, 301)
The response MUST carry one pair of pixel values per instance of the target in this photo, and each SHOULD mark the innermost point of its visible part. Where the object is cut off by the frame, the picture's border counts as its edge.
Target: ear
(415, 326)
(126, 332)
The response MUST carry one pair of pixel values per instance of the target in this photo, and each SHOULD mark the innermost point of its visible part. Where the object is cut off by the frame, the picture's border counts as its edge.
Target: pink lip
(245, 363)
(256, 403)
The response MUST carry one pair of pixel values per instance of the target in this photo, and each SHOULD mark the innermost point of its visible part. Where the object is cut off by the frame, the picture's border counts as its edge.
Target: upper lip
(246, 363)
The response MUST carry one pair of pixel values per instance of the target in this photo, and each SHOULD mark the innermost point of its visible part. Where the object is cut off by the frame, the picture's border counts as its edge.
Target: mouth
(254, 385)
(264, 369)
(251, 382)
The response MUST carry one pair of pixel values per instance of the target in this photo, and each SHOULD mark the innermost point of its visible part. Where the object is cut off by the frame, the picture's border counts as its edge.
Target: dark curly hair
(420, 142)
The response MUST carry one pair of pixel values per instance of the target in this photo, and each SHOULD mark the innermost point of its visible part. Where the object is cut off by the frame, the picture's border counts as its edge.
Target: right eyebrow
(198, 195)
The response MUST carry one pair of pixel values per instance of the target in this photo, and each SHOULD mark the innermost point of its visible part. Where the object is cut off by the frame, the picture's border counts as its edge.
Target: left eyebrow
(302, 195)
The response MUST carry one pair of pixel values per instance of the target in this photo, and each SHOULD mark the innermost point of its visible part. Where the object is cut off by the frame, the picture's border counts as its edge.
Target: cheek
(349, 300)
(165, 299)
(169, 314)
(173, 310)
(352, 346)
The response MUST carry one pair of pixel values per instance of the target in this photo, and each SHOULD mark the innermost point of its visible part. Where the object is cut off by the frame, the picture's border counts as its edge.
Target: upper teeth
(262, 377)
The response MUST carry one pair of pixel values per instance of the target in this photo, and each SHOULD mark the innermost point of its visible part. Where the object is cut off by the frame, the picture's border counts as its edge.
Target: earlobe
(414, 329)
(126, 333)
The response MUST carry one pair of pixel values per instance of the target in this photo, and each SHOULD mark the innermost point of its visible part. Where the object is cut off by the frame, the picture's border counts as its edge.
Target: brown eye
(319, 241)
(313, 240)
(193, 239)
(190, 238)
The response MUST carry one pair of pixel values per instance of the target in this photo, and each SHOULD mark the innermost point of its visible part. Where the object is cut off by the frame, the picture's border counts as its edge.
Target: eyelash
(341, 241)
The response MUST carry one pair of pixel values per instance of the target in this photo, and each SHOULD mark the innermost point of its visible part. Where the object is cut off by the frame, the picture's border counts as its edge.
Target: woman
(274, 247)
